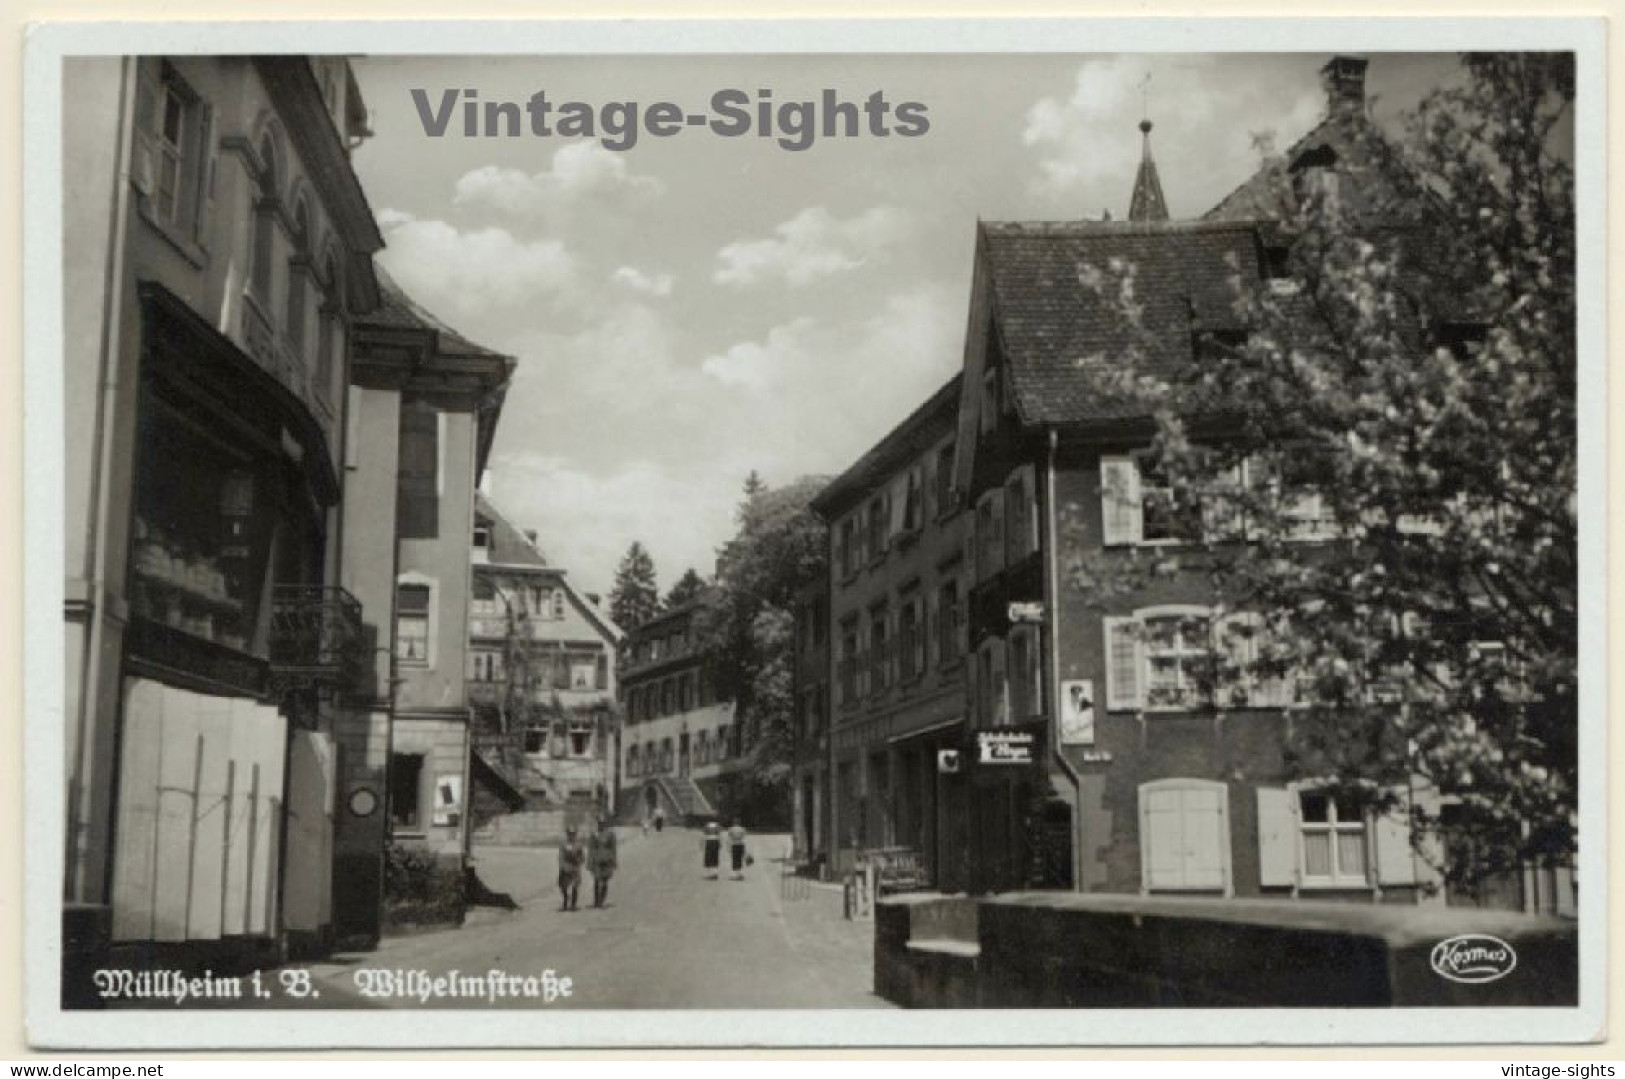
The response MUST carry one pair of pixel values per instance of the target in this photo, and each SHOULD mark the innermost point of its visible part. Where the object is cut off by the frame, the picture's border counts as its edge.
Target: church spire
(1147, 203)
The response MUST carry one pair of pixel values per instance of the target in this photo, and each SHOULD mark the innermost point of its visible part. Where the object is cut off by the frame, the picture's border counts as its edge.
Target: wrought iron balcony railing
(317, 638)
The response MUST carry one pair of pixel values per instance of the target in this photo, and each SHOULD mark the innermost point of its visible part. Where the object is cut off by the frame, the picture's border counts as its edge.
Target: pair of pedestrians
(600, 856)
(711, 845)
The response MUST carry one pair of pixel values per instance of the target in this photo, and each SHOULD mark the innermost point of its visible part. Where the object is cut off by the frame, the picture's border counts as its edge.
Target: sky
(696, 307)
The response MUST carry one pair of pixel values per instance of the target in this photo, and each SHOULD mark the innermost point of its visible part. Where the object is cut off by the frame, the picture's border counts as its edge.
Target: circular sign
(363, 802)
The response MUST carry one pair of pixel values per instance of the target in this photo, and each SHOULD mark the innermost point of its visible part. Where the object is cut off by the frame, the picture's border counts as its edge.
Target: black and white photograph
(547, 538)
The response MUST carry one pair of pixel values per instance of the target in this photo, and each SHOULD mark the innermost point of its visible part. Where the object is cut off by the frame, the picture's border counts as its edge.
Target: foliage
(687, 589)
(1420, 382)
(635, 597)
(419, 889)
(747, 623)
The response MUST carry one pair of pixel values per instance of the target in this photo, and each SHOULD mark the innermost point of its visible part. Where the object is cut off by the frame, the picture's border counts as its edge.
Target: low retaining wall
(1069, 950)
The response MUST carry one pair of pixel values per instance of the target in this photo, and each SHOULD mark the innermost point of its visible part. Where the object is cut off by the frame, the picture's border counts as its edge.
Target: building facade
(542, 667)
(219, 250)
(897, 601)
(680, 743)
(427, 402)
(810, 776)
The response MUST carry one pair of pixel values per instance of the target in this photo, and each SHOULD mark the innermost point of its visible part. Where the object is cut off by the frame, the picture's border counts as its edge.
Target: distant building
(680, 742)
(217, 253)
(542, 661)
(899, 572)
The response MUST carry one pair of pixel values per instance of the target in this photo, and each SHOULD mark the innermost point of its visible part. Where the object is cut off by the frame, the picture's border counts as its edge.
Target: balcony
(317, 639)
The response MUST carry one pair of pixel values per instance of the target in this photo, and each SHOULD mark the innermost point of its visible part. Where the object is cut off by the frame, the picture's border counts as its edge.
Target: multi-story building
(542, 675)
(426, 402)
(218, 250)
(680, 742)
(810, 774)
(899, 571)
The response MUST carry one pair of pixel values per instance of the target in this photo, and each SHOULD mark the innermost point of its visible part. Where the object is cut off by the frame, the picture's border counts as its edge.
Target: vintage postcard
(649, 533)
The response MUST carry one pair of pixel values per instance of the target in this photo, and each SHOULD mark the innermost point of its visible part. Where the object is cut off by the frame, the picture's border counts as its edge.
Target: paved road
(669, 938)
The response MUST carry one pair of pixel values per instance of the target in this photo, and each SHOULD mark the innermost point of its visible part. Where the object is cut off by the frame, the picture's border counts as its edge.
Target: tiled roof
(1058, 331)
(397, 310)
(509, 546)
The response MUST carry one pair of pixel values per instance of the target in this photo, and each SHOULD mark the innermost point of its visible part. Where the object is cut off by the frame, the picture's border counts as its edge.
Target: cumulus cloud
(812, 245)
(635, 280)
(586, 516)
(1089, 147)
(580, 173)
(470, 273)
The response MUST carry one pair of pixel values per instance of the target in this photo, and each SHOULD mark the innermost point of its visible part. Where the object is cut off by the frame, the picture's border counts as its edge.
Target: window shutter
(899, 504)
(1162, 839)
(419, 508)
(1123, 664)
(1391, 834)
(1277, 837)
(1119, 501)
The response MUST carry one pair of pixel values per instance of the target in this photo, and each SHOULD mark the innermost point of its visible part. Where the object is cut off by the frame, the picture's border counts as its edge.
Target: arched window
(264, 210)
(298, 272)
(329, 327)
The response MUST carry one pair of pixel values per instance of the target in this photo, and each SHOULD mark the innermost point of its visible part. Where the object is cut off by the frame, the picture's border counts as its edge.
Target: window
(1185, 836)
(879, 650)
(1307, 513)
(846, 548)
(989, 534)
(172, 150)
(298, 270)
(412, 638)
(1167, 514)
(535, 739)
(908, 501)
(558, 604)
(1026, 667)
(260, 262)
(482, 537)
(1334, 839)
(485, 665)
(849, 661)
(581, 732)
(632, 761)
(1159, 659)
(601, 673)
(406, 791)
(949, 648)
(910, 640)
(583, 672)
(875, 529)
(946, 501)
(1020, 515)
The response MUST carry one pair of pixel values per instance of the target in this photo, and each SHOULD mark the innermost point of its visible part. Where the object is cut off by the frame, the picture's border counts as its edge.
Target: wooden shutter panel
(143, 159)
(1391, 835)
(1277, 837)
(1120, 511)
(1123, 663)
(1162, 839)
(419, 503)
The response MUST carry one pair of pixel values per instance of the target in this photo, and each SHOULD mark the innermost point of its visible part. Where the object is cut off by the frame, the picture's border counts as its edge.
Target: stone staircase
(686, 801)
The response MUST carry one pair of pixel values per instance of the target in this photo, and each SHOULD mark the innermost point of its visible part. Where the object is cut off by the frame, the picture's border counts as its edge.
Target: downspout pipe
(1052, 589)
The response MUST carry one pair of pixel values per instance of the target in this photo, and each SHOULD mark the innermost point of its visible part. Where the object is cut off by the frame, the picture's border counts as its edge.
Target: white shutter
(1120, 510)
(1162, 839)
(148, 104)
(1391, 835)
(1277, 837)
(1123, 663)
(899, 504)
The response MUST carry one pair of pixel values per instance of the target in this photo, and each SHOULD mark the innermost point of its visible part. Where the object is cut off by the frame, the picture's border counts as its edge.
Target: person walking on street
(571, 857)
(711, 844)
(602, 861)
(660, 819)
(736, 848)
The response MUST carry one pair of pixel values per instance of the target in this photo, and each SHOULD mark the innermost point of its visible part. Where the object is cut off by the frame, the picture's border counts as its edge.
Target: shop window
(413, 639)
(406, 791)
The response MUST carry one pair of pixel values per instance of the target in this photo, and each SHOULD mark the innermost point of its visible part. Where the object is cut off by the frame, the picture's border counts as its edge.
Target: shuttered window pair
(1180, 658)
(1140, 504)
(1308, 837)
(173, 151)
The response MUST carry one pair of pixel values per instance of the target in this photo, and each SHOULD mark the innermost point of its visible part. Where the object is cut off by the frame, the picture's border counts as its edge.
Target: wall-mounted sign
(1007, 747)
(448, 800)
(1028, 613)
(1078, 712)
(948, 762)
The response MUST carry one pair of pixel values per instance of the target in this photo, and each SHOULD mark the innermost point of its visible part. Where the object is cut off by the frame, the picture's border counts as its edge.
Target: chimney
(1343, 78)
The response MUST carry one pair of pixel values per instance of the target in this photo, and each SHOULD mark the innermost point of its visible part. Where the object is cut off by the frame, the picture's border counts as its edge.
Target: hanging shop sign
(1026, 613)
